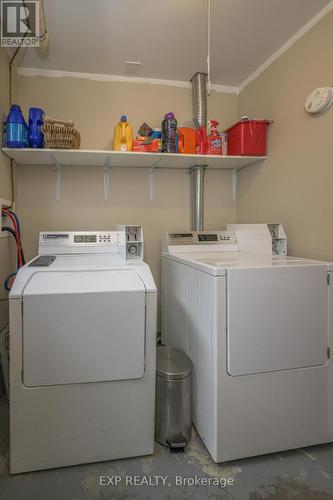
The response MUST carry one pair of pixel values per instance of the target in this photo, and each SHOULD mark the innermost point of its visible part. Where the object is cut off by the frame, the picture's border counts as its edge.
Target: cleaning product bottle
(16, 128)
(35, 134)
(186, 140)
(214, 140)
(201, 141)
(123, 135)
(169, 134)
(157, 134)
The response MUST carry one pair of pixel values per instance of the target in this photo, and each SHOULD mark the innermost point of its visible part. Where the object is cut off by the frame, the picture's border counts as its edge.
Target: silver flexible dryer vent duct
(199, 96)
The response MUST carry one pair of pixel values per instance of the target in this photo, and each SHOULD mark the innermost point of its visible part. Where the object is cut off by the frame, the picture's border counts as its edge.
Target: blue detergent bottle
(16, 128)
(35, 134)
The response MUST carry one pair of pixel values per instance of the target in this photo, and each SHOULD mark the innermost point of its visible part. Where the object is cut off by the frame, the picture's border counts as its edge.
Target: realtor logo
(19, 23)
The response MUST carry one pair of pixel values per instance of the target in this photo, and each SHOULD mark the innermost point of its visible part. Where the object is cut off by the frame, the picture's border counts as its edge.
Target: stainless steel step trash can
(173, 418)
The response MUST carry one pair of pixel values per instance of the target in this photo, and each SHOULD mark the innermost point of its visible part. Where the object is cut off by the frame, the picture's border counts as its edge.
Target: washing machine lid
(72, 281)
(219, 263)
(83, 326)
(81, 262)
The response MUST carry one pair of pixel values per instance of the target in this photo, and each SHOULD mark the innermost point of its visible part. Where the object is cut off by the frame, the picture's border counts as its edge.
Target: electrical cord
(16, 232)
(19, 232)
(13, 218)
(16, 224)
(11, 231)
(17, 220)
(208, 45)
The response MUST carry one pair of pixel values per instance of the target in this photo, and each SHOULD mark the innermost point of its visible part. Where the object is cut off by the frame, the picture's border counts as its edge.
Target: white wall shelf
(108, 159)
(85, 157)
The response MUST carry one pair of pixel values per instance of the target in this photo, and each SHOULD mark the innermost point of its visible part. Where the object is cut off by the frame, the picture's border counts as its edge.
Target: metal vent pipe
(198, 178)
(199, 98)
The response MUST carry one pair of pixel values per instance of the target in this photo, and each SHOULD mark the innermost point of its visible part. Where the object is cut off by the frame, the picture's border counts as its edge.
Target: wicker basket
(60, 135)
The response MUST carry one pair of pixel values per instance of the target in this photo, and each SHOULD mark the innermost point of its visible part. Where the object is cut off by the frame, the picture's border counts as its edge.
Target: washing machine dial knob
(132, 249)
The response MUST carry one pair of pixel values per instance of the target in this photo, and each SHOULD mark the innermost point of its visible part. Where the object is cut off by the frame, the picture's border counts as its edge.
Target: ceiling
(169, 38)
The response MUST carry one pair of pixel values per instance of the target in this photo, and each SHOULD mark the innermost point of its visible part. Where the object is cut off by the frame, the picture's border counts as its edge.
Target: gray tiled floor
(293, 475)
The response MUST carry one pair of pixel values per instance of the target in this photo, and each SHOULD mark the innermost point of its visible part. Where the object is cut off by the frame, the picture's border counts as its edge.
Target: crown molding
(52, 73)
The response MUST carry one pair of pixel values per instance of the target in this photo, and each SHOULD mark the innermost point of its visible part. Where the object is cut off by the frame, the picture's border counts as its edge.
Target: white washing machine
(82, 351)
(258, 328)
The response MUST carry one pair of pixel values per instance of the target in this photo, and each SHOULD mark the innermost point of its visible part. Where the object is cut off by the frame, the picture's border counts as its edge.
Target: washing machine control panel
(67, 242)
(127, 242)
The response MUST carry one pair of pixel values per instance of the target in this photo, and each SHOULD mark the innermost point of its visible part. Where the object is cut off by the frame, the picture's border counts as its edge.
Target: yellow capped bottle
(123, 135)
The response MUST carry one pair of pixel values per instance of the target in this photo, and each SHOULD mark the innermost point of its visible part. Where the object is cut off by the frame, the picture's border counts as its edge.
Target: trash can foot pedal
(178, 445)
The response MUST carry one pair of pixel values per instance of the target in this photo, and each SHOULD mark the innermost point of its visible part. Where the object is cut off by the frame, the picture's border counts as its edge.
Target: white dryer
(82, 353)
(258, 328)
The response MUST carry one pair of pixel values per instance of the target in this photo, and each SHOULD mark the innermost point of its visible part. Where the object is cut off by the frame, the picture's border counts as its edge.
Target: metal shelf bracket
(151, 175)
(106, 174)
(57, 173)
(234, 184)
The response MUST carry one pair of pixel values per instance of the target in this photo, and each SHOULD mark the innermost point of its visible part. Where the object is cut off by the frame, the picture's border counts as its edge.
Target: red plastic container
(248, 138)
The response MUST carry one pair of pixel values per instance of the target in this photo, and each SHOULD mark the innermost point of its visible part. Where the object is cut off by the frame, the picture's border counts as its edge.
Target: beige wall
(294, 186)
(96, 107)
(6, 260)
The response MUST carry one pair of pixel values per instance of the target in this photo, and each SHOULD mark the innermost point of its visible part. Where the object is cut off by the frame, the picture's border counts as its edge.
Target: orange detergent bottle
(123, 135)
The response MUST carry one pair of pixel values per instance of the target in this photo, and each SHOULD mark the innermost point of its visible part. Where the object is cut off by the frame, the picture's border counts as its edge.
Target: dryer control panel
(201, 237)
(267, 239)
(264, 238)
(199, 241)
